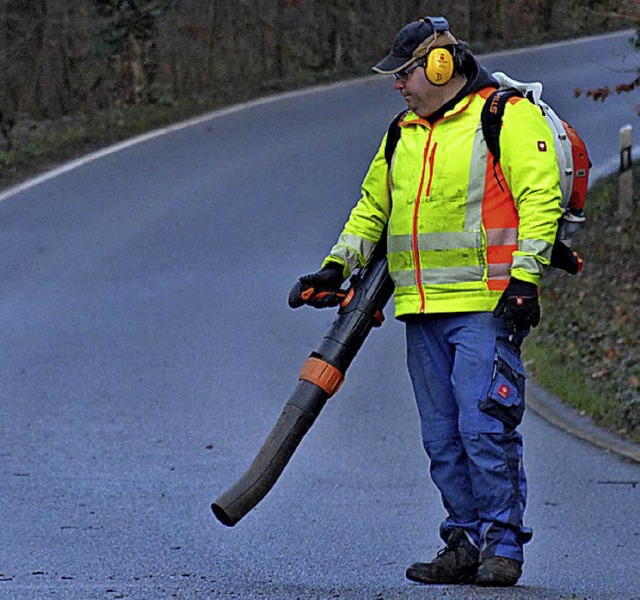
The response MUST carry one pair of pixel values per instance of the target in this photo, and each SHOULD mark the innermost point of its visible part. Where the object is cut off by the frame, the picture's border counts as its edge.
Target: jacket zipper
(416, 250)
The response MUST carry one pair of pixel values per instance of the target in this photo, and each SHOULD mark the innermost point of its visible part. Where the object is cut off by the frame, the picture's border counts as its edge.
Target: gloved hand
(519, 304)
(562, 257)
(320, 289)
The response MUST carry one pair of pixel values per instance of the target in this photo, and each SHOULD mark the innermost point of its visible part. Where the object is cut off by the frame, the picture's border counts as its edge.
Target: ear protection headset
(440, 63)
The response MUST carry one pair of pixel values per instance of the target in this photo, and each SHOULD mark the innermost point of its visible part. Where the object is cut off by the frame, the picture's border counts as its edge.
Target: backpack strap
(491, 119)
(393, 136)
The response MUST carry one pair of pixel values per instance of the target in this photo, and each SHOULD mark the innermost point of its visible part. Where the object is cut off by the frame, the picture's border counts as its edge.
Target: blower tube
(321, 376)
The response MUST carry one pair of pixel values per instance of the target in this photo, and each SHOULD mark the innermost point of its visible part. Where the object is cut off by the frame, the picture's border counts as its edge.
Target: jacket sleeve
(367, 220)
(529, 164)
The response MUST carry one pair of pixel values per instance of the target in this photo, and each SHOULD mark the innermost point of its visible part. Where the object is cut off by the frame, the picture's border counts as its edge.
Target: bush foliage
(587, 348)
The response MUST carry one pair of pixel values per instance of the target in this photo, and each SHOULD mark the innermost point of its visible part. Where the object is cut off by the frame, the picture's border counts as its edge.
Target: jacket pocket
(505, 400)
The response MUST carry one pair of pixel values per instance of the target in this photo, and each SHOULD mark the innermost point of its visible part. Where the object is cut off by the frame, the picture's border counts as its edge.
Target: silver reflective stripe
(507, 236)
(453, 274)
(359, 244)
(477, 177)
(528, 263)
(399, 243)
(438, 276)
(539, 247)
(404, 278)
(353, 250)
(436, 241)
(347, 255)
(499, 271)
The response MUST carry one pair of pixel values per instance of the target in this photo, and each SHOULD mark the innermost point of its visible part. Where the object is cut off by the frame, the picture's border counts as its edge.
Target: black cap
(413, 41)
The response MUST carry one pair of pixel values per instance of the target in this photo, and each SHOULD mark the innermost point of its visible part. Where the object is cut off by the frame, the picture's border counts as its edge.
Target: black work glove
(562, 257)
(519, 304)
(320, 289)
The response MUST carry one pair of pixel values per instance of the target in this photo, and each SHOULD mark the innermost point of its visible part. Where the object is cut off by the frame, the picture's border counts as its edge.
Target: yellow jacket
(458, 226)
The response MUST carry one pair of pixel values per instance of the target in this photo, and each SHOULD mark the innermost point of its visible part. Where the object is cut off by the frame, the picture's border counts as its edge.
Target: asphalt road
(147, 349)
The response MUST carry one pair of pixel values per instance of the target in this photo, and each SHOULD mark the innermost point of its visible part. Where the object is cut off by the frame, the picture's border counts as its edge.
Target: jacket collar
(478, 78)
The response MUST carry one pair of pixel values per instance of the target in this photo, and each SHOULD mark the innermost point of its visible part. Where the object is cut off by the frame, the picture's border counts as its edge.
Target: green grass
(40, 145)
(586, 349)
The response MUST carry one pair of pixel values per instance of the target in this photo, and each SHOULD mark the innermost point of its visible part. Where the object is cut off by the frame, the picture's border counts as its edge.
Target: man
(467, 241)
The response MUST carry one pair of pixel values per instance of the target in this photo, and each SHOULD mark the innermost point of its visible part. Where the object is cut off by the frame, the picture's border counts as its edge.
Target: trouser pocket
(505, 400)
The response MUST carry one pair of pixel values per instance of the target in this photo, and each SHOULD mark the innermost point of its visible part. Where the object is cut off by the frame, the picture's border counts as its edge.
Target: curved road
(147, 349)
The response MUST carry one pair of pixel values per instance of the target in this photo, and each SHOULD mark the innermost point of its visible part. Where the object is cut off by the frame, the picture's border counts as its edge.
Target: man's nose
(398, 84)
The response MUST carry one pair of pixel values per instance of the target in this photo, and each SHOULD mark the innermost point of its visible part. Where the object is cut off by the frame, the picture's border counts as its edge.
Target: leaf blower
(321, 376)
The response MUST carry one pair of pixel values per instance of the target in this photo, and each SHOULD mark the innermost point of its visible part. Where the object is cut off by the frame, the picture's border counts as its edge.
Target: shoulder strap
(491, 119)
(393, 136)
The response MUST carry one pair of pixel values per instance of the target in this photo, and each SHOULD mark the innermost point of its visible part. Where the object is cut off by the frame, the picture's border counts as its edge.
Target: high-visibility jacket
(458, 225)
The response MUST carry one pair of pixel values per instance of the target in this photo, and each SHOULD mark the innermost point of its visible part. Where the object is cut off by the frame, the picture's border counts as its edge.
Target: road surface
(147, 349)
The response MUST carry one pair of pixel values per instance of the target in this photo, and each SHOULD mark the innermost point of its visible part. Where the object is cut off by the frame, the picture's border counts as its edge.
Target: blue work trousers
(468, 381)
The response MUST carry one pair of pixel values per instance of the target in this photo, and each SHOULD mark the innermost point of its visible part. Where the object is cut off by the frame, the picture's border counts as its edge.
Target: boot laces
(454, 551)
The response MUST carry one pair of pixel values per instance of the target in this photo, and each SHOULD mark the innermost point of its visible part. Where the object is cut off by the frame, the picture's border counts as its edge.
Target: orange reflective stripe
(498, 285)
(322, 374)
(500, 254)
(498, 208)
(500, 220)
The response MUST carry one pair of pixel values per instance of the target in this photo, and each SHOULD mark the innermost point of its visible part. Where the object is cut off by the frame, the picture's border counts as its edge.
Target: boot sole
(495, 582)
(414, 575)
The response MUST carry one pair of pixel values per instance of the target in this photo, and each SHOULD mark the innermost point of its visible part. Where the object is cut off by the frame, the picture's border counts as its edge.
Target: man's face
(421, 96)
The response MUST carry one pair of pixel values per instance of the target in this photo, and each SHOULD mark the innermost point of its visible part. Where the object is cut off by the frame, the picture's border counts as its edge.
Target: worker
(468, 239)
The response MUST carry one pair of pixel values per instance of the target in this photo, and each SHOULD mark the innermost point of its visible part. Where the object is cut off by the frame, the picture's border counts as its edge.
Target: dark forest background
(58, 57)
(76, 75)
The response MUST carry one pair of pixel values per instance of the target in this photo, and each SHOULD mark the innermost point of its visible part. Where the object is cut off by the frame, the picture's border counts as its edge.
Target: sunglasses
(404, 74)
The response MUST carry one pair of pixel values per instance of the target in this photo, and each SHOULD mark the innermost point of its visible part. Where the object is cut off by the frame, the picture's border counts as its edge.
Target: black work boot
(457, 562)
(498, 571)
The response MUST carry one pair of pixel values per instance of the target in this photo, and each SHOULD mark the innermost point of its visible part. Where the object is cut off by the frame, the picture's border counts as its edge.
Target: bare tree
(130, 31)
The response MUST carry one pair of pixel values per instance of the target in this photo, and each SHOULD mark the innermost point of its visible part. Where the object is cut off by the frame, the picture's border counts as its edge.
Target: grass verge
(586, 349)
(40, 145)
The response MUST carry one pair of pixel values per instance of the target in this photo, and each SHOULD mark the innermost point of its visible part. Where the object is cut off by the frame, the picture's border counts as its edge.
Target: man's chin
(411, 105)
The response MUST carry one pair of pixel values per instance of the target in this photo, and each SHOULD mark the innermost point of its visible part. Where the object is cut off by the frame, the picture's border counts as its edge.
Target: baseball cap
(414, 41)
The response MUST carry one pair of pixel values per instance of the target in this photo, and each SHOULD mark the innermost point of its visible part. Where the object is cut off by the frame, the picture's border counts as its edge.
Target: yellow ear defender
(440, 63)
(439, 66)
